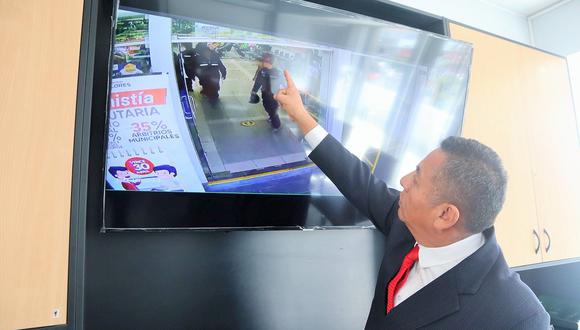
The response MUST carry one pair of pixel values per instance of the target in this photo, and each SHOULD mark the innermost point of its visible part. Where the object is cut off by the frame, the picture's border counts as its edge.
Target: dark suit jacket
(481, 292)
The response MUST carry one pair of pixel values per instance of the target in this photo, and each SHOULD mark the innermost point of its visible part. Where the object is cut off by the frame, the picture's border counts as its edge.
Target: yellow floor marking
(258, 175)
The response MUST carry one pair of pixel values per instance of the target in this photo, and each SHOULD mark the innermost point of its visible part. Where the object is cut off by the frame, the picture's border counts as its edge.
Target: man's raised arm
(353, 177)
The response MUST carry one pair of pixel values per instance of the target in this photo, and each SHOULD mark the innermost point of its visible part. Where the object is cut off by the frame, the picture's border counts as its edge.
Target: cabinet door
(555, 151)
(40, 57)
(495, 115)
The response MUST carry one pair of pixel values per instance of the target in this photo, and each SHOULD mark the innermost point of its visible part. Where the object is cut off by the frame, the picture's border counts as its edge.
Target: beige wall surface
(555, 151)
(494, 115)
(39, 53)
(520, 104)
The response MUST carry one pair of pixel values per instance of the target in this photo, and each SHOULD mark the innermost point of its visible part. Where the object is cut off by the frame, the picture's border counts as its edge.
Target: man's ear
(447, 216)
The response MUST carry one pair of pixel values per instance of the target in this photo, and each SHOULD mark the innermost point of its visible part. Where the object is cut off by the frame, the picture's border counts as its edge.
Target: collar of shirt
(429, 257)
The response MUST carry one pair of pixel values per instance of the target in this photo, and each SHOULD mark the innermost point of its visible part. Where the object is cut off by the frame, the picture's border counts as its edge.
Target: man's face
(164, 174)
(123, 174)
(267, 65)
(416, 207)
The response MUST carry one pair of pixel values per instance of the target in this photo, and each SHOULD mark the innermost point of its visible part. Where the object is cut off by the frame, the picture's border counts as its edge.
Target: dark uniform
(208, 67)
(189, 65)
(266, 79)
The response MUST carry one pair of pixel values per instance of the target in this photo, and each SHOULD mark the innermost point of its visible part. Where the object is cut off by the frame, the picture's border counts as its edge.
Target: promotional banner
(147, 149)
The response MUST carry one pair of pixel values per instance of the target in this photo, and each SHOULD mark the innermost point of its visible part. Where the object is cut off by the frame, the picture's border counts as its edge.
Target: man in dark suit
(442, 267)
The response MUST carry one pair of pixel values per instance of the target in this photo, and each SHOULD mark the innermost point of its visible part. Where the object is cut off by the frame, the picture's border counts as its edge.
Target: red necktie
(399, 280)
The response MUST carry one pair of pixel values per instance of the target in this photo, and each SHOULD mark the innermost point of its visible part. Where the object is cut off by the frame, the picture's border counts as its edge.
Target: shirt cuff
(315, 136)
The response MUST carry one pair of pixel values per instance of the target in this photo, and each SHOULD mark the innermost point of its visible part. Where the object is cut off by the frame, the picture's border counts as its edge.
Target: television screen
(192, 115)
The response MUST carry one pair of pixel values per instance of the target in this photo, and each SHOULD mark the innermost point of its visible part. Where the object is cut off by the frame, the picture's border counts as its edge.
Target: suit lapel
(435, 301)
(401, 242)
(441, 297)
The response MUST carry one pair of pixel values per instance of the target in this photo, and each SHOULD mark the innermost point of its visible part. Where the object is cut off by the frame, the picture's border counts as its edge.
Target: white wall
(558, 30)
(574, 69)
(479, 14)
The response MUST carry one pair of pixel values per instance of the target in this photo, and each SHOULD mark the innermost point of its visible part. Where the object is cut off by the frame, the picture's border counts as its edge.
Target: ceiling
(524, 7)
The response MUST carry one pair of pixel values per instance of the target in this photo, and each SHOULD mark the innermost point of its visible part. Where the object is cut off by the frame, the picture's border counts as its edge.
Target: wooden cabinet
(519, 103)
(40, 58)
(555, 152)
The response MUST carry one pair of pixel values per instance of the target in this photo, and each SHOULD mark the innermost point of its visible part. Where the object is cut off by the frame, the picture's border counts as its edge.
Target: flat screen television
(195, 140)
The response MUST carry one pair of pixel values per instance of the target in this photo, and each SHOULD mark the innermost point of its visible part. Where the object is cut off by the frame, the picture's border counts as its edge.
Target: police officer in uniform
(189, 65)
(268, 79)
(208, 68)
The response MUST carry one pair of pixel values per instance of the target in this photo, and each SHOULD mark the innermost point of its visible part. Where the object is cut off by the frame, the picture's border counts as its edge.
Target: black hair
(167, 168)
(113, 170)
(268, 57)
(201, 46)
(473, 179)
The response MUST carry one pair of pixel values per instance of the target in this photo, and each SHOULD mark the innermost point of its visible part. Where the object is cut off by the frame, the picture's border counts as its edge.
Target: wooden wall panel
(40, 58)
(555, 151)
(520, 104)
(495, 116)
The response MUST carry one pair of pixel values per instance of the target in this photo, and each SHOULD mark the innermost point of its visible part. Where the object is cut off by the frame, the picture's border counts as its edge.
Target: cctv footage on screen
(191, 106)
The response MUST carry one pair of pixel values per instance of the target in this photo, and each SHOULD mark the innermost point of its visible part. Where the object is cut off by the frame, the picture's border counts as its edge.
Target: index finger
(289, 79)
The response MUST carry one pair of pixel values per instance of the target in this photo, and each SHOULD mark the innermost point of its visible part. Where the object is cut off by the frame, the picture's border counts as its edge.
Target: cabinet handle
(537, 249)
(549, 240)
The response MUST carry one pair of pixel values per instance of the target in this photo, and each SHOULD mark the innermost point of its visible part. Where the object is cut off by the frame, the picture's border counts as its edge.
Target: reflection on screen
(191, 104)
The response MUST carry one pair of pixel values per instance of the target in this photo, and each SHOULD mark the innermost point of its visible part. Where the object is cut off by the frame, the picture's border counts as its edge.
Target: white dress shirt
(433, 262)
(315, 136)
